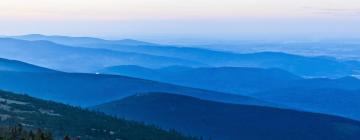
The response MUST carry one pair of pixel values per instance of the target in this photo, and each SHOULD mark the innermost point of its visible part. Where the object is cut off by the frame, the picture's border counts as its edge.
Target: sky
(181, 20)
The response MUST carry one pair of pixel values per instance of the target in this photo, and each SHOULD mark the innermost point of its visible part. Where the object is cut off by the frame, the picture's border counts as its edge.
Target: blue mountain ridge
(221, 121)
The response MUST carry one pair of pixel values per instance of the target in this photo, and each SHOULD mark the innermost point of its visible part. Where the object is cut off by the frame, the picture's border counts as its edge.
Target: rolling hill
(77, 59)
(61, 120)
(94, 89)
(330, 96)
(18, 66)
(65, 40)
(299, 65)
(333, 101)
(79, 41)
(229, 121)
(237, 80)
(268, 87)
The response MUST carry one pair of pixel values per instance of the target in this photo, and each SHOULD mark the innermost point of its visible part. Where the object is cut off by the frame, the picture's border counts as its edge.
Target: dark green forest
(55, 121)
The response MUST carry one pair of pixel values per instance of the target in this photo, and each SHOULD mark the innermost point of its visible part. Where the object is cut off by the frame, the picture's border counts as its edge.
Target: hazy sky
(183, 19)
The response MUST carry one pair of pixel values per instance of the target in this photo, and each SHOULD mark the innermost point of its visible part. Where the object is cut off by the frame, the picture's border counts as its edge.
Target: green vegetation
(19, 133)
(62, 120)
(221, 121)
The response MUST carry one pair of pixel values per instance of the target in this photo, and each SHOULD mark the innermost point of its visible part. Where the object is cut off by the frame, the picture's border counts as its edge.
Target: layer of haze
(178, 20)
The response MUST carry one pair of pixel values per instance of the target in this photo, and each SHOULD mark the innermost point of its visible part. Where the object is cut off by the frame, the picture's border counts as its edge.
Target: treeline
(61, 120)
(18, 132)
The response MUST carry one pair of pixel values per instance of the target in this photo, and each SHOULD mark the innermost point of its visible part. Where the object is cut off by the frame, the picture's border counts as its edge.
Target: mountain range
(76, 59)
(200, 92)
(97, 88)
(78, 41)
(237, 80)
(155, 56)
(276, 86)
(252, 86)
(229, 121)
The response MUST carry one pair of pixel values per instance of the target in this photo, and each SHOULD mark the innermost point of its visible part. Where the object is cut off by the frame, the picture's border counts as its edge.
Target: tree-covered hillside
(221, 121)
(18, 132)
(61, 120)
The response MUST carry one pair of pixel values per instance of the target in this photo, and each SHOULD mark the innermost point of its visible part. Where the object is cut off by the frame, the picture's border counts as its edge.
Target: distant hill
(77, 59)
(61, 120)
(239, 80)
(65, 40)
(348, 83)
(331, 96)
(92, 89)
(18, 66)
(229, 121)
(78, 41)
(323, 100)
(299, 65)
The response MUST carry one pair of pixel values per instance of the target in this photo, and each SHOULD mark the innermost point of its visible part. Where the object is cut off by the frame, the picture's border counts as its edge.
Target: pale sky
(221, 19)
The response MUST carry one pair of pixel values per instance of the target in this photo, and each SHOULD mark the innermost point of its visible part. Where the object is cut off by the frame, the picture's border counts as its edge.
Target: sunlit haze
(183, 19)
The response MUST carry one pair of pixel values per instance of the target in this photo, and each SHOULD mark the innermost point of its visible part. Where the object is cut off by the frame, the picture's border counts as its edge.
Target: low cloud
(333, 11)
